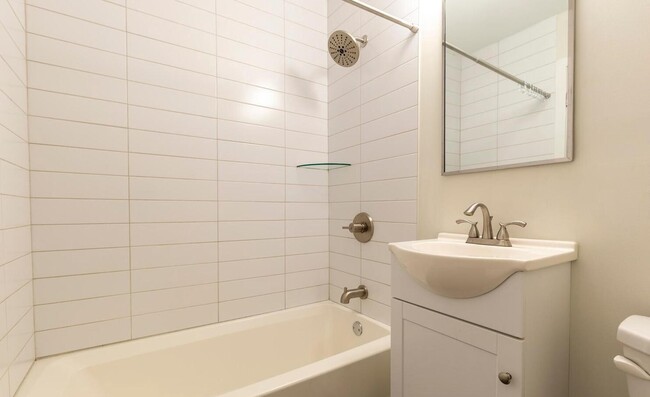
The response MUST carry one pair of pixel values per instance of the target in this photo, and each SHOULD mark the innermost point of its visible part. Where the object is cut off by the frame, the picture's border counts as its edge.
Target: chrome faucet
(360, 292)
(487, 237)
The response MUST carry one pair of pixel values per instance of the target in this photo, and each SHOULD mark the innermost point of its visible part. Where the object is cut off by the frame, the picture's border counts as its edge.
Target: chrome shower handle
(473, 231)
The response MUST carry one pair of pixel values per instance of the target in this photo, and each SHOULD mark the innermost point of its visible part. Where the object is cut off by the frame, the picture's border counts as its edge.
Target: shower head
(344, 48)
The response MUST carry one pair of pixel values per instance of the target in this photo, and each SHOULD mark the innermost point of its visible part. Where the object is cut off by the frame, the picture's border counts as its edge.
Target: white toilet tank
(634, 333)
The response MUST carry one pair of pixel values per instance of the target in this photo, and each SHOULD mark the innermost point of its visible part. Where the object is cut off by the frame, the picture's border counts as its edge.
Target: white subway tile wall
(164, 144)
(16, 297)
(373, 122)
(489, 122)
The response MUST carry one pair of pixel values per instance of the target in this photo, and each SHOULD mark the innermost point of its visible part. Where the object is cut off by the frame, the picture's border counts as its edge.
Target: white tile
(250, 15)
(251, 306)
(250, 172)
(172, 122)
(63, 185)
(250, 55)
(74, 134)
(142, 24)
(171, 77)
(74, 108)
(296, 263)
(306, 296)
(61, 53)
(173, 233)
(250, 133)
(63, 159)
(172, 167)
(174, 298)
(68, 263)
(240, 250)
(173, 255)
(173, 320)
(305, 279)
(74, 30)
(245, 93)
(237, 270)
(167, 54)
(68, 211)
(62, 289)
(250, 35)
(172, 145)
(97, 11)
(171, 100)
(74, 82)
(78, 337)
(246, 113)
(65, 237)
(198, 14)
(238, 191)
(249, 211)
(246, 288)
(143, 211)
(173, 276)
(84, 311)
(250, 230)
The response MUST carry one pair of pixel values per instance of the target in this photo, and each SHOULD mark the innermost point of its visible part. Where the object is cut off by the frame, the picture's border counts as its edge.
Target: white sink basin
(450, 267)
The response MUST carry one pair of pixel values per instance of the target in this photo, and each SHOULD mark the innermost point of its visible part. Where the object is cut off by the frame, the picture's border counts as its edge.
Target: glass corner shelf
(324, 166)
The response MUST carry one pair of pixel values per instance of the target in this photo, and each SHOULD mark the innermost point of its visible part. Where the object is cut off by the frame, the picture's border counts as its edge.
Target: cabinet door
(445, 357)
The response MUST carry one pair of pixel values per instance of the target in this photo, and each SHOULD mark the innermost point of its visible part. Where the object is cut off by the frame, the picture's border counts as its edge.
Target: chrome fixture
(413, 28)
(487, 237)
(359, 292)
(345, 48)
(362, 227)
(524, 86)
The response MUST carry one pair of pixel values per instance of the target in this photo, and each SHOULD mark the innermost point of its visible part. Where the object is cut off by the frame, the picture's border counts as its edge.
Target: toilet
(634, 333)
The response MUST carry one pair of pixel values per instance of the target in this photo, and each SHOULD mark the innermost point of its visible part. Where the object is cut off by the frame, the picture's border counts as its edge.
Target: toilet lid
(634, 332)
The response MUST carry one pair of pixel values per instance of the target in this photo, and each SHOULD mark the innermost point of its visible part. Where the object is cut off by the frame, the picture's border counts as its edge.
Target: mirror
(508, 84)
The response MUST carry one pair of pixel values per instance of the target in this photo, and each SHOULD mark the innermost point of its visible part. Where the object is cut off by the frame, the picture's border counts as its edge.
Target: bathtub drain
(357, 328)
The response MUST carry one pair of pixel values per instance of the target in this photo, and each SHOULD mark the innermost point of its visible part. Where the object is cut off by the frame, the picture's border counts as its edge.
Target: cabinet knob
(505, 377)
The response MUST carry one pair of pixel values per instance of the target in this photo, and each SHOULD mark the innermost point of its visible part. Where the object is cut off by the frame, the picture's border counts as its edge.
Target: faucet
(487, 219)
(359, 292)
(487, 238)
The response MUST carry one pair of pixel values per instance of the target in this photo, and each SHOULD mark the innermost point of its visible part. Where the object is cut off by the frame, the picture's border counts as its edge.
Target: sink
(450, 267)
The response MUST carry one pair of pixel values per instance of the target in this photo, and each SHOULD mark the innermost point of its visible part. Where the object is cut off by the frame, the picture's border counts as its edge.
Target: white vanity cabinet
(448, 347)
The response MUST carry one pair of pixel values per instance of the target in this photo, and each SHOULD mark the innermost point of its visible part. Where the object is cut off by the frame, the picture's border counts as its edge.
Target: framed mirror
(508, 93)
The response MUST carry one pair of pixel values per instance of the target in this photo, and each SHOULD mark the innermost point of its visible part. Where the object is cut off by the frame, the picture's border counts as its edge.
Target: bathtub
(306, 351)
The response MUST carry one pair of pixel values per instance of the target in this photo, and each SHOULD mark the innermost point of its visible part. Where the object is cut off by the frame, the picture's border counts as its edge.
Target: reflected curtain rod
(378, 12)
(522, 83)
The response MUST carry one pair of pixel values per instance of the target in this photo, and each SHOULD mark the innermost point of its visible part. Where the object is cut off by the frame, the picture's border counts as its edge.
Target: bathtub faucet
(359, 292)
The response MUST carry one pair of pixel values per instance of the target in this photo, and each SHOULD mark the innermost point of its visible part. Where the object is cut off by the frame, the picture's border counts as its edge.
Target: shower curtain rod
(371, 9)
(500, 71)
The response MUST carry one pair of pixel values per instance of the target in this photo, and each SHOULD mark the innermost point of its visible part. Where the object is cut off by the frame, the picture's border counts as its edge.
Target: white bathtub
(306, 351)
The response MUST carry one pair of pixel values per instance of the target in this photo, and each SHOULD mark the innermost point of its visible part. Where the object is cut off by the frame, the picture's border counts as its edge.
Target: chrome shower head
(344, 48)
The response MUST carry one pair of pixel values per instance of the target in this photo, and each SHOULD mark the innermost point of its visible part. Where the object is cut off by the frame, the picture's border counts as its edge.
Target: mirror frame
(569, 100)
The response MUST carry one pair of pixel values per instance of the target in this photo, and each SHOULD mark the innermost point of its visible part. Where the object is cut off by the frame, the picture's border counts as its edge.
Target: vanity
(473, 320)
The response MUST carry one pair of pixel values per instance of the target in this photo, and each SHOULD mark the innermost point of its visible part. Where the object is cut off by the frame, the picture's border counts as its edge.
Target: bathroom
(181, 173)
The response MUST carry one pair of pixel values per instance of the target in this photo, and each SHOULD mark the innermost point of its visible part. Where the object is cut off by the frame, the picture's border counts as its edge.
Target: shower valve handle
(356, 227)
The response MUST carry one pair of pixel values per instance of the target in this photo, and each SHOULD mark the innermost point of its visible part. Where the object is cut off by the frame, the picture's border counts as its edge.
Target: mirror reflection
(508, 76)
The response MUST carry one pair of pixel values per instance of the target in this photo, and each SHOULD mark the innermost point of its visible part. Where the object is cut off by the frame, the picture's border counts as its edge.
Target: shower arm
(378, 12)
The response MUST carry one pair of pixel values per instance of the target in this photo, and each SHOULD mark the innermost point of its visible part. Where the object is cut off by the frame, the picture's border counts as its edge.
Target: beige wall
(601, 200)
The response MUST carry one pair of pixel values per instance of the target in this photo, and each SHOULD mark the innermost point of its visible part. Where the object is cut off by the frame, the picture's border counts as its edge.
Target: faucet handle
(503, 234)
(473, 231)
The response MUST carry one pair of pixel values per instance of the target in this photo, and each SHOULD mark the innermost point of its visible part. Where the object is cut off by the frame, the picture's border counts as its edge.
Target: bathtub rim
(57, 370)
